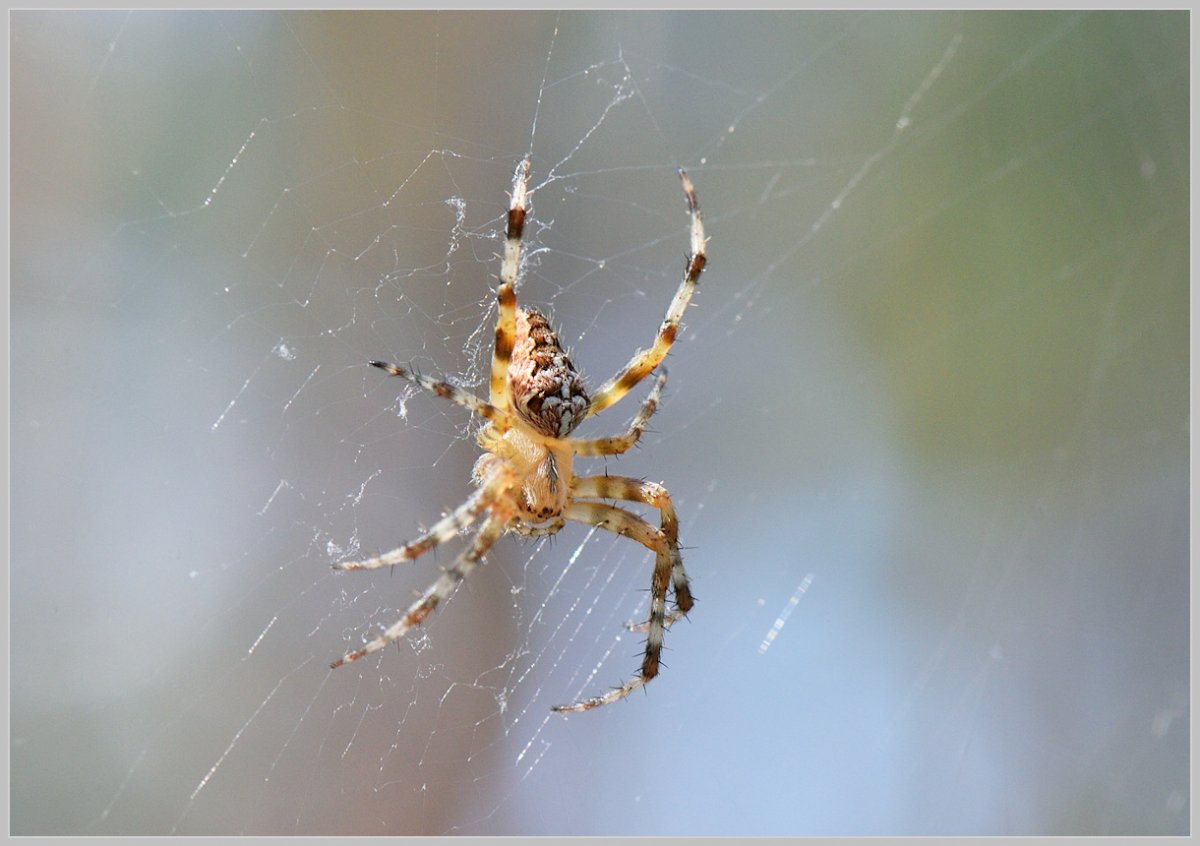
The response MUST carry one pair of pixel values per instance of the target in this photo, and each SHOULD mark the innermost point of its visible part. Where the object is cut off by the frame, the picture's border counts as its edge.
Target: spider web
(926, 425)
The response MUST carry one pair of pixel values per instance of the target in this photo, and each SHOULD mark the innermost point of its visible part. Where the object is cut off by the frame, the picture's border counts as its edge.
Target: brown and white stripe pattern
(646, 360)
(437, 593)
(443, 530)
(668, 564)
(506, 293)
(618, 444)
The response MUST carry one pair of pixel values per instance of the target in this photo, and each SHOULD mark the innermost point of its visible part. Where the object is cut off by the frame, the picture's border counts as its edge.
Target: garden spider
(525, 481)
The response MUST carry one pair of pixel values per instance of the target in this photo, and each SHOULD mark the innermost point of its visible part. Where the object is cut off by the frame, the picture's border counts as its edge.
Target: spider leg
(628, 524)
(506, 293)
(618, 521)
(645, 361)
(620, 443)
(669, 620)
(442, 531)
(437, 593)
(503, 420)
(656, 496)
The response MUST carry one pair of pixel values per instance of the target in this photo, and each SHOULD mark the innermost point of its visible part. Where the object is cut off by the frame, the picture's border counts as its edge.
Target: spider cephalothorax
(525, 480)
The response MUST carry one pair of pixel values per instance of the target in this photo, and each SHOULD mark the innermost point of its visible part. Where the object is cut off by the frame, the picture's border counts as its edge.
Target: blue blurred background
(927, 426)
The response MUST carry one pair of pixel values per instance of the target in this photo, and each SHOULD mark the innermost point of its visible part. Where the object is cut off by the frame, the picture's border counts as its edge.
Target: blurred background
(926, 427)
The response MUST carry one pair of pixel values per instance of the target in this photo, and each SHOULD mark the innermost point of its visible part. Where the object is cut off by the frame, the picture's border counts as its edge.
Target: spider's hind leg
(506, 292)
(495, 414)
(628, 524)
(442, 531)
(656, 496)
(437, 593)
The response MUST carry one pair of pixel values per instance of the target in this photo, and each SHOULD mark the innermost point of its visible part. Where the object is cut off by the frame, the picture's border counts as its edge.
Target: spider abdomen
(547, 391)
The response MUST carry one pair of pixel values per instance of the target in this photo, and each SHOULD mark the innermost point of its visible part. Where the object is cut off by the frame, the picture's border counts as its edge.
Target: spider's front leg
(506, 293)
(442, 531)
(644, 361)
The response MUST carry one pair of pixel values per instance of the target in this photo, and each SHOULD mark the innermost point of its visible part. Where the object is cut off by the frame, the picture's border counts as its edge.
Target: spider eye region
(547, 391)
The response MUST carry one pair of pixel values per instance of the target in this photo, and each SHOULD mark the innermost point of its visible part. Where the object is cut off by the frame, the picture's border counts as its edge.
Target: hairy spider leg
(645, 361)
(503, 420)
(442, 531)
(621, 443)
(438, 592)
(506, 292)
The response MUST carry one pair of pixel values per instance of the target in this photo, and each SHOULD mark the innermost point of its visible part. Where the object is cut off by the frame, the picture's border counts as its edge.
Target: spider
(525, 481)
